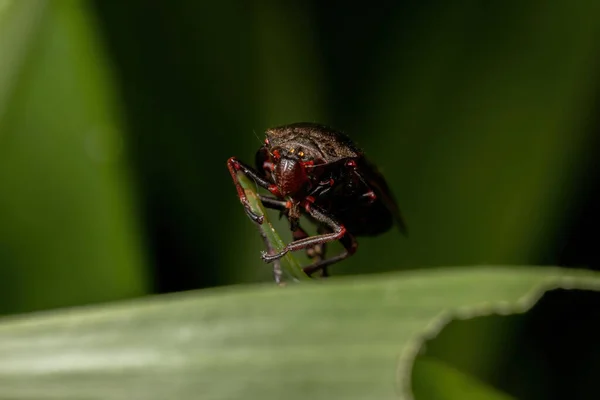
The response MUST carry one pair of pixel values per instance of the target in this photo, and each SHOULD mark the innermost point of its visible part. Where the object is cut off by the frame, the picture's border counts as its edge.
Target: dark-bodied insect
(316, 171)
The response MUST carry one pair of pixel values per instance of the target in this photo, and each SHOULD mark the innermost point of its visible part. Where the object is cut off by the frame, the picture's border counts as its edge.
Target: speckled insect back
(313, 170)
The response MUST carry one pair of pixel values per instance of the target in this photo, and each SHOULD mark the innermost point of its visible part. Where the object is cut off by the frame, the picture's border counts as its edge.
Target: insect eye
(301, 154)
(267, 141)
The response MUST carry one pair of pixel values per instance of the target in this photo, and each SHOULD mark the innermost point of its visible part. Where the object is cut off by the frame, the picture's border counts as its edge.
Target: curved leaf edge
(559, 278)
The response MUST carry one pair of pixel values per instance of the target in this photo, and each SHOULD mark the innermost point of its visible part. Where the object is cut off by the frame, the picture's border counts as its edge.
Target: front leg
(338, 232)
(235, 166)
(273, 203)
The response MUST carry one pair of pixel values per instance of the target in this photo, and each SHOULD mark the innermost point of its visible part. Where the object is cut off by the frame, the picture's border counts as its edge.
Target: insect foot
(269, 258)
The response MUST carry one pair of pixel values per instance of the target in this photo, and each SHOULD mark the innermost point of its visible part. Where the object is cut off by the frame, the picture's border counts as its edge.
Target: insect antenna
(256, 136)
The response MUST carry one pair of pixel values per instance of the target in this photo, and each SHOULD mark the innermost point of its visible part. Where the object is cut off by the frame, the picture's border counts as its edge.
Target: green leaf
(439, 380)
(67, 218)
(290, 265)
(350, 338)
(18, 23)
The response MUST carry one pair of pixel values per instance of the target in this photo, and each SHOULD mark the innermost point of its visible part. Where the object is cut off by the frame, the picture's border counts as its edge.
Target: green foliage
(437, 380)
(478, 114)
(350, 338)
(67, 231)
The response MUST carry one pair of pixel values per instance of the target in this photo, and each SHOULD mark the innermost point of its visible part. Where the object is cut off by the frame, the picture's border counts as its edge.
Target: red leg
(316, 252)
(338, 232)
(273, 203)
(322, 248)
(236, 166)
(350, 246)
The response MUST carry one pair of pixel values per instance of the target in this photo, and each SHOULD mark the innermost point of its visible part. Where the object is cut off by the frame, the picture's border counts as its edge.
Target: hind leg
(316, 253)
(350, 245)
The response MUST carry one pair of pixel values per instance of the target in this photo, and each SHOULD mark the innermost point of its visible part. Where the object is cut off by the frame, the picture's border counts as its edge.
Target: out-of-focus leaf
(18, 23)
(479, 117)
(289, 71)
(348, 338)
(439, 381)
(68, 233)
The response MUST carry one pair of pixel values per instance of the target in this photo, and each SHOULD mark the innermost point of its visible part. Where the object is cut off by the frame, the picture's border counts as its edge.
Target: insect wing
(378, 184)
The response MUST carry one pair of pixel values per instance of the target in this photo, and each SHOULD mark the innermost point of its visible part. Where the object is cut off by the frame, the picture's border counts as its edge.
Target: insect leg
(235, 166)
(322, 188)
(338, 231)
(315, 253)
(276, 204)
(369, 195)
(385, 197)
(350, 246)
(273, 203)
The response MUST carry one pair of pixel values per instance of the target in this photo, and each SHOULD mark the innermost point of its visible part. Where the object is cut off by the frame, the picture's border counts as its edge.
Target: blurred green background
(116, 119)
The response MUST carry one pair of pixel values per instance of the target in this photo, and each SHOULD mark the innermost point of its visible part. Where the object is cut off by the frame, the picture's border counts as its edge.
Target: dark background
(195, 80)
(116, 119)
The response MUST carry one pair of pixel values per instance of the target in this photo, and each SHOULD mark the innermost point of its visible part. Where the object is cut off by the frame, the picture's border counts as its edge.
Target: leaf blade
(348, 338)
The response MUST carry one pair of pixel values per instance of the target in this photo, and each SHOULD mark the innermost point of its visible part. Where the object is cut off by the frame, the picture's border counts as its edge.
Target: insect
(318, 172)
